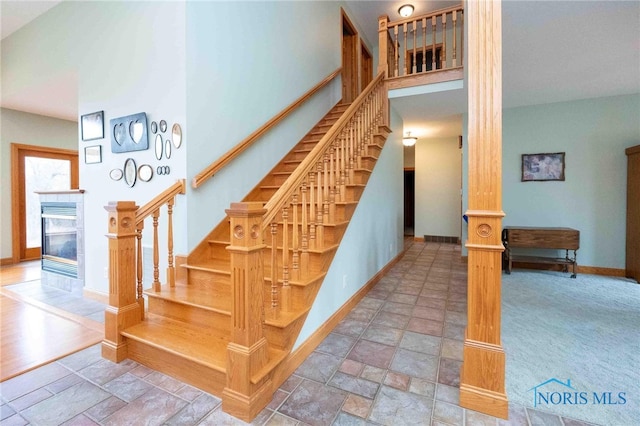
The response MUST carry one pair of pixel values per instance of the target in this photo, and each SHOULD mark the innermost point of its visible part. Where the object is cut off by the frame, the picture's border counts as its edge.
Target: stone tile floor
(394, 360)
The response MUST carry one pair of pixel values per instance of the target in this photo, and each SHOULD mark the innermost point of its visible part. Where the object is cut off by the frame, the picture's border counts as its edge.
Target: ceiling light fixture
(406, 10)
(409, 140)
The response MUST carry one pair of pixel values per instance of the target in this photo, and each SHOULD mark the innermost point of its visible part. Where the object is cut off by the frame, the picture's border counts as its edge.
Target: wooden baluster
(396, 54)
(123, 310)
(424, 44)
(444, 41)
(274, 269)
(433, 43)
(285, 296)
(156, 256)
(343, 165)
(405, 49)
(295, 263)
(454, 60)
(415, 35)
(139, 267)
(304, 257)
(312, 211)
(171, 273)
(333, 179)
(319, 208)
(351, 174)
(326, 189)
(359, 138)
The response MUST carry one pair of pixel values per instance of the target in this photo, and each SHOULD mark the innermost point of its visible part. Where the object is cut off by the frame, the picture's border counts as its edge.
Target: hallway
(394, 360)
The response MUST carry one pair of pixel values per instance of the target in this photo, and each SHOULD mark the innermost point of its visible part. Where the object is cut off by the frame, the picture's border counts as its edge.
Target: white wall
(28, 129)
(238, 77)
(437, 187)
(593, 133)
(371, 240)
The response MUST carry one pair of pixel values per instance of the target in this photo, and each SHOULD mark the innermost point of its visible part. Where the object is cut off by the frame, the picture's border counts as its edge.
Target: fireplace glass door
(59, 238)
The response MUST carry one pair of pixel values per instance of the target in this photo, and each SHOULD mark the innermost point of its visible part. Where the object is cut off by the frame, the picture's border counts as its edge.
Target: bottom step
(189, 353)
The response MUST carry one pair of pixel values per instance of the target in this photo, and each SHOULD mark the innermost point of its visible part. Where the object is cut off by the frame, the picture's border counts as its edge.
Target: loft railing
(422, 49)
(126, 302)
(214, 167)
(293, 223)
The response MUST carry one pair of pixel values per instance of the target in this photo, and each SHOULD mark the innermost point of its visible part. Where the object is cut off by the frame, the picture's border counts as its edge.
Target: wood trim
(632, 150)
(419, 239)
(214, 167)
(95, 295)
(7, 261)
(592, 270)
(297, 357)
(310, 160)
(430, 77)
(17, 204)
(350, 55)
(161, 199)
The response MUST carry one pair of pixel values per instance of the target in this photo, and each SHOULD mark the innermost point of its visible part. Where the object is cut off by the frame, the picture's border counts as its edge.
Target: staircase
(188, 330)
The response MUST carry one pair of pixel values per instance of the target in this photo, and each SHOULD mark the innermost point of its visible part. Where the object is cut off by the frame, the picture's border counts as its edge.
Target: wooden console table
(522, 237)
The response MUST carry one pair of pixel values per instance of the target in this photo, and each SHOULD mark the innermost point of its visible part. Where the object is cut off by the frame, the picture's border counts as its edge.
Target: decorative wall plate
(130, 172)
(167, 149)
(176, 135)
(158, 147)
(129, 133)
(163, 126)
(154, 127)
(115, 174)
(145, 173)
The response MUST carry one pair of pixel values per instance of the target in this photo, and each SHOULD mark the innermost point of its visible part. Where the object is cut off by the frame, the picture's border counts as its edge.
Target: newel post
(123, 310)
(482, 386)
(383, 48)
(247, 351)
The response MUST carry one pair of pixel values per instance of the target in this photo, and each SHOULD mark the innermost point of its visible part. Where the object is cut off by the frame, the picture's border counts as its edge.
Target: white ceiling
(553, 51)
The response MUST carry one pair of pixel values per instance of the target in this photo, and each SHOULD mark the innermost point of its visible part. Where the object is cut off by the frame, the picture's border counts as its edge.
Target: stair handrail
(179, 187)
(295, 179)
(214, 167)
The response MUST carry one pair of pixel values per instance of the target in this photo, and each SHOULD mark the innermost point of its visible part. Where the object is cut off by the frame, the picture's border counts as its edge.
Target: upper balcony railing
(422, 49)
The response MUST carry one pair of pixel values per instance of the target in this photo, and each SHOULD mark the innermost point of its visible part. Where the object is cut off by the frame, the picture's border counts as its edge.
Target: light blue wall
(242, 73)
(28, 129)
(372, 240)
(593, 133)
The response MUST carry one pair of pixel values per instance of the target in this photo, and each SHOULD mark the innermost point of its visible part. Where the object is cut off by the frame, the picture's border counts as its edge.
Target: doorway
(36, 168)
(409, 201)
(349, 60)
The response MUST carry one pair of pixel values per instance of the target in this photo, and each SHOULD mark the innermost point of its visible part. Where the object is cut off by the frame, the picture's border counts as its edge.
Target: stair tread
(211, 265)
(198, 344)
(188, 295)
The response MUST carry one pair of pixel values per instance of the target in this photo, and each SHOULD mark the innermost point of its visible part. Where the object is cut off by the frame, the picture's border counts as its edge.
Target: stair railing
(126, 302)
(293, 222)
(419, 45)
(215, 167)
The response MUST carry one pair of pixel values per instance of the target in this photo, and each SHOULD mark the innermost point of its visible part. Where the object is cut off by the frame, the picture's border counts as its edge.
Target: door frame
(349, 44)
(366, 66)
(18, 204)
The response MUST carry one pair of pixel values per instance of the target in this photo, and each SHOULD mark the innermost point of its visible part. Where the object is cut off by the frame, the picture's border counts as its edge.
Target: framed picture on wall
(92, 126)
(93, 154)
(542, 167)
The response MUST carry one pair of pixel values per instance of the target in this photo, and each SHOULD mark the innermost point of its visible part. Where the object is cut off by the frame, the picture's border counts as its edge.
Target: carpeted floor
(584, 330)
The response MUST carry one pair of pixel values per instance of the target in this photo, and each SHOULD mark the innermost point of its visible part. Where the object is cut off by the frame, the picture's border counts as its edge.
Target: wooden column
(482, 375)
(247, 350)
(383, 48)
(123, 310)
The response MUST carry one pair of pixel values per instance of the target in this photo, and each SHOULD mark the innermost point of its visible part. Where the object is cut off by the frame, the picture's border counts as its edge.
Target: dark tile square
(371, 353)
(313, 403)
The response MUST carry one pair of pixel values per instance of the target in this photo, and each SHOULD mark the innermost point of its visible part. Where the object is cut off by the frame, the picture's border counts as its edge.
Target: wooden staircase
(189, 330)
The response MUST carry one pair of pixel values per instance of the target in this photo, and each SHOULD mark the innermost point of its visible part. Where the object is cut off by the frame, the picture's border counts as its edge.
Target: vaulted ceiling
(553, 51)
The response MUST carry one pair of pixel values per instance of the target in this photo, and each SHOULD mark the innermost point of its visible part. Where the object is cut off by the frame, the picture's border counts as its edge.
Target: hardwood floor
(32, 331)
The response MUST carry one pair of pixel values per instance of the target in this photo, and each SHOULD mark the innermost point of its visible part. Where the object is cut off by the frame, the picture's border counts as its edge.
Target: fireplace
(59, 238)
(63, 240)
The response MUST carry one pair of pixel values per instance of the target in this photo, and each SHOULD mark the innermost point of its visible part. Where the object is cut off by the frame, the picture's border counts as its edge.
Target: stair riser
(318, 262)
(301, 295)
(192, 314)
(207, 379)
(219, 251)
(289, 166)
(283, 339)
(351, 192)
(207, 279)
(343, 212)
